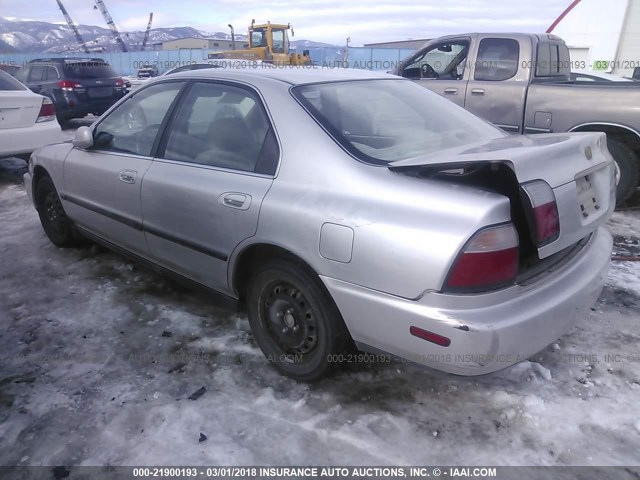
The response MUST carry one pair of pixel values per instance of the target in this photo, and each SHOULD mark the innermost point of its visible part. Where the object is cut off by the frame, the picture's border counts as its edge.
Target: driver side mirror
(83, 138)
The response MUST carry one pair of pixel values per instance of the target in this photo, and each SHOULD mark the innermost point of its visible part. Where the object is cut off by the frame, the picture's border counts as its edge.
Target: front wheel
(295, 321)
(629, 169)
(52, 216)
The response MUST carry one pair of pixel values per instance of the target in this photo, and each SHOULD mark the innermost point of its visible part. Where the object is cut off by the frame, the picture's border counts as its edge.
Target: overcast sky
(328, 21)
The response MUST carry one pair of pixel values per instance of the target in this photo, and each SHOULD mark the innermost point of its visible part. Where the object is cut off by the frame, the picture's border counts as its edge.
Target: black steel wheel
(53, 218)
(295, 321)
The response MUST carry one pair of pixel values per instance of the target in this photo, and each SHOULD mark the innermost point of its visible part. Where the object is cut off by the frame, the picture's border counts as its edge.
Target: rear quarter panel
(406, 231)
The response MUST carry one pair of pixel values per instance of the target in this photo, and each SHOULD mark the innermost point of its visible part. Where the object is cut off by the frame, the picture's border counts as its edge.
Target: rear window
(382, 121)
(7, 82)
(89, 70)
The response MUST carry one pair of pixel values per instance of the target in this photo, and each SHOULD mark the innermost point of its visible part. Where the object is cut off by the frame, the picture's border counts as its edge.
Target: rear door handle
(128, 176)
(451, 91)
(477, 91)
(240, 201)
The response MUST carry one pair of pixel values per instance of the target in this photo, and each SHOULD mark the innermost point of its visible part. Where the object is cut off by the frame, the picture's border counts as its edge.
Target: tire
(53, 218)
(629, 166)
(295, 321)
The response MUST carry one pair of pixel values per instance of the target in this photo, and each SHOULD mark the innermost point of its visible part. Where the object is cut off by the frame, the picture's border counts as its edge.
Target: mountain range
(27, 36)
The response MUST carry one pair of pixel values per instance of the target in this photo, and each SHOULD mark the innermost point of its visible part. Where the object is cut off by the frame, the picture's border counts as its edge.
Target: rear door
(102, 185)
(442, 68)
(202, 195)
(498, 83)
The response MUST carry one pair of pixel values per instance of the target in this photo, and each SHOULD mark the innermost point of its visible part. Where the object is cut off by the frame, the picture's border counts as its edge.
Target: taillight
(68, 85)
(488, 261)
(120, 82)
(545, 221)
(47, 111)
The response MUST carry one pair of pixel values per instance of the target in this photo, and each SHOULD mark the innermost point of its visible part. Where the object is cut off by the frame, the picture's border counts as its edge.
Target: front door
(441, 68)
(102, 184)
(202, 195)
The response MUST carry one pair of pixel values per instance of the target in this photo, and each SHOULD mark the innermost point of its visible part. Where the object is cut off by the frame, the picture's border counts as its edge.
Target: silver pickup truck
(521, 83)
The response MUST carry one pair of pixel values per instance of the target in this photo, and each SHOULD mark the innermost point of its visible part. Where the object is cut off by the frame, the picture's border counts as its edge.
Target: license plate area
(100, 92)
(587, 196)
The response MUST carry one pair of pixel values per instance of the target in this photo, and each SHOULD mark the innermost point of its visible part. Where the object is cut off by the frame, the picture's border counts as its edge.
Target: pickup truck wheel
(294, 320)
(629, 168)
(53, 218)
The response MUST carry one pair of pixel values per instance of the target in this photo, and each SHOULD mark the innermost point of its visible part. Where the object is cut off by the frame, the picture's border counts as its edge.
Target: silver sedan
(343, 209)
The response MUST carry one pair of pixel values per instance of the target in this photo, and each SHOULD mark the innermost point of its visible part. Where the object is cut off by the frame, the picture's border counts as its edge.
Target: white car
(27, 120)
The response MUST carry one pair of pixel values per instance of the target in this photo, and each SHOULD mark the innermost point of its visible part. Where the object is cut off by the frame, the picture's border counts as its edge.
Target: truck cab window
(445, 61)
(497, 59)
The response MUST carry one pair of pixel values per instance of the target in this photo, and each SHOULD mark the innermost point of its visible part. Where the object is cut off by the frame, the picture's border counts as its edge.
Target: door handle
(128, 176)
(240, 201)
(451, 91)
(477, 91)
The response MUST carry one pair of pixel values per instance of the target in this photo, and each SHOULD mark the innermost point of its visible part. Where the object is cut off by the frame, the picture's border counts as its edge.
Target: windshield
(89, 70)
(382, 121)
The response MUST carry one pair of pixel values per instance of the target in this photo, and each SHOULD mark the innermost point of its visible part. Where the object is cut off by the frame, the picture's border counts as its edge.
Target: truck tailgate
(577, 166)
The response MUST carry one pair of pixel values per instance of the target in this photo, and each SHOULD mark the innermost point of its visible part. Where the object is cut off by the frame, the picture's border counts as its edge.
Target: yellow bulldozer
(268, 42)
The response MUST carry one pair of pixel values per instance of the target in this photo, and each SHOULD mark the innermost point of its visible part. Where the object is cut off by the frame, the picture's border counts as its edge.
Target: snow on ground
(98, 360)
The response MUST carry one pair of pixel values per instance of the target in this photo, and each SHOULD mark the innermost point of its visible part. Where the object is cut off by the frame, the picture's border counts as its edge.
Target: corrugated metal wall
(128, 63)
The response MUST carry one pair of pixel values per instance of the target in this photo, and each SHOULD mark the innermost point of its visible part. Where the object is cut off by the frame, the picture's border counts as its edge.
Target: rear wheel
(53, 218)
(629, 168)
(295, 321)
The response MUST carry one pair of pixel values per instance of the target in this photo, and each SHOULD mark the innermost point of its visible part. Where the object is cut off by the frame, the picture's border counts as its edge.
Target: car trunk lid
(578, 167)
(18, 108)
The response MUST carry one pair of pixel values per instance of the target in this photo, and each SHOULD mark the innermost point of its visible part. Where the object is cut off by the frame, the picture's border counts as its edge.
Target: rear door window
(37, 73)
(497, 59)
(51, 74)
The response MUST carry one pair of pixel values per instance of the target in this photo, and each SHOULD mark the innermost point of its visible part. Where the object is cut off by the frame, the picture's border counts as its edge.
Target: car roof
(293, 75)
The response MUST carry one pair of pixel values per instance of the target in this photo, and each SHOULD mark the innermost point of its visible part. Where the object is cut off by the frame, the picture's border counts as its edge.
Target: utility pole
(346, 58)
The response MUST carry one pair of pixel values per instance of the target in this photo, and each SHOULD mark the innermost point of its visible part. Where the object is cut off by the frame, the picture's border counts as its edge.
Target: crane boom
(146, 33)
(110, 23)
(72, 26)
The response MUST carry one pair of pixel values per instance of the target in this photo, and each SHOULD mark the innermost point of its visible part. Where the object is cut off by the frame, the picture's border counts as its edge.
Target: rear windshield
(382, 121)
(89, 70)
(7, 82)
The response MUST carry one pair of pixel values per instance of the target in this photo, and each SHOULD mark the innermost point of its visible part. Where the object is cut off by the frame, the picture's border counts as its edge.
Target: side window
(498, 59)
(37, 73)
(51, 74)
(133, 126)
(223, 126)
(445, 62)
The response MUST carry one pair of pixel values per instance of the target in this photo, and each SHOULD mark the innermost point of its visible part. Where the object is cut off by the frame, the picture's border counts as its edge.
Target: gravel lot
(100, 363)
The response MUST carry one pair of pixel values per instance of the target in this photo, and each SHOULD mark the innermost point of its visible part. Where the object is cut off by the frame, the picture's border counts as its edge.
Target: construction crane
(110, 23)
(146, 33)
(73, 27)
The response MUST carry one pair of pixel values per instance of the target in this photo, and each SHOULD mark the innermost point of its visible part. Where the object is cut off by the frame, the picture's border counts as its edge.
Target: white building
(601, 35)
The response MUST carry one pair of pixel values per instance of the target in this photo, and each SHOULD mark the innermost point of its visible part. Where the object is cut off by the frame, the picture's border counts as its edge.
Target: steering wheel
(135, 118)
(427, 71)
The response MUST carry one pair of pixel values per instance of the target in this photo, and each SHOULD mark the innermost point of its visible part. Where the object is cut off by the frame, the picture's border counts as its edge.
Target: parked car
(148, 71)
(10, 68)
(521, 83)
(597, 77)
(27, 121)
(343, 206)
(77, 86)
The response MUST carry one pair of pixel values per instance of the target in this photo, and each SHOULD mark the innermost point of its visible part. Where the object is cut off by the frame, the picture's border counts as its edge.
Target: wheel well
(623, 135)
(38, 173)
(254, 256)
